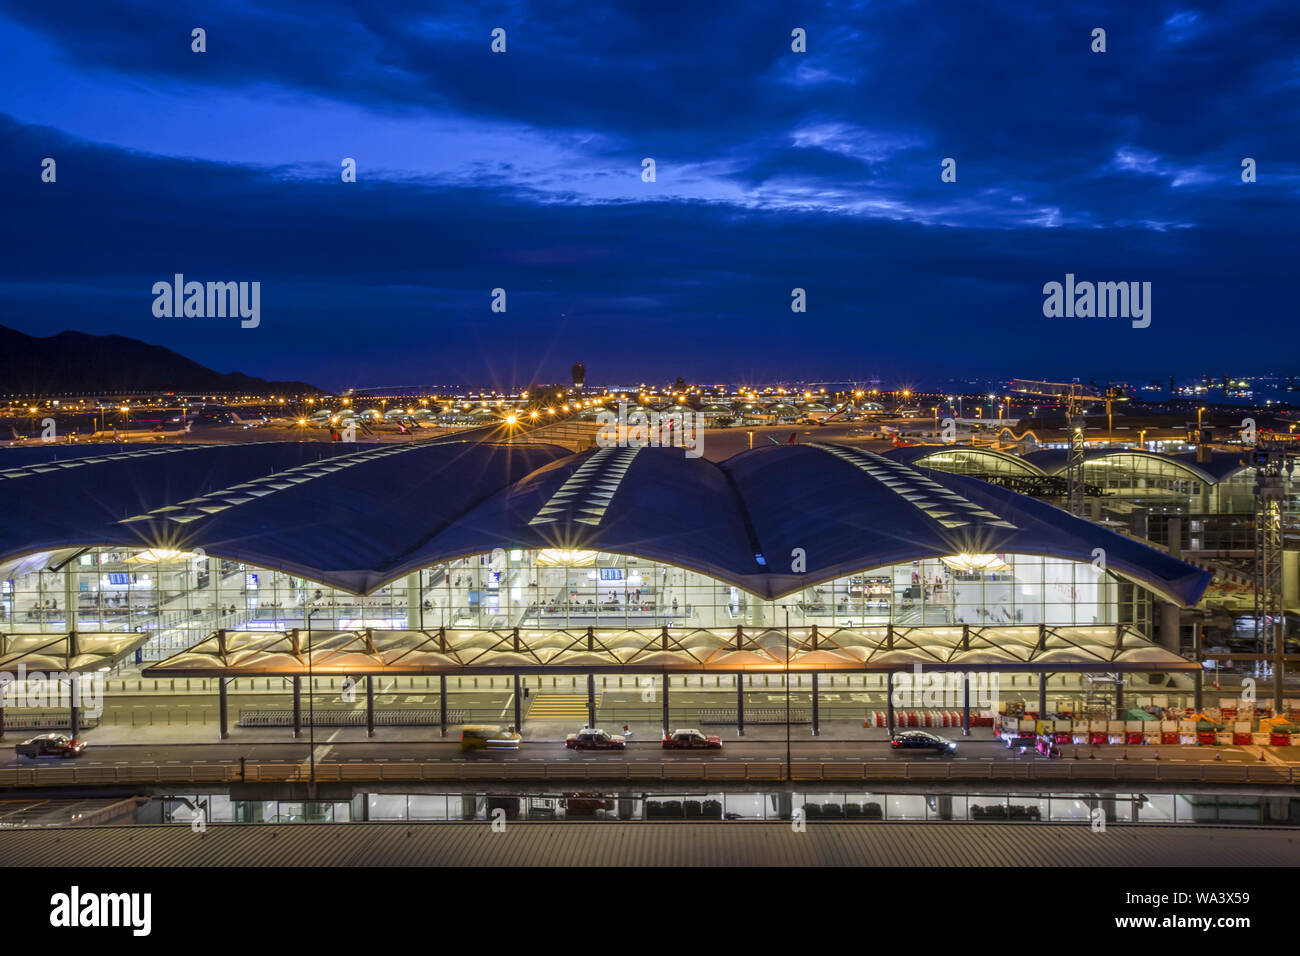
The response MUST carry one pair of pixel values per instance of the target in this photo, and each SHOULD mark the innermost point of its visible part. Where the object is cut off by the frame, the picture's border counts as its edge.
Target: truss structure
(1079, 648)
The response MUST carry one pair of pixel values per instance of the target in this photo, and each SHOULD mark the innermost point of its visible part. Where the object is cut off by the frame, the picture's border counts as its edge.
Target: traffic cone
(1125, 756)
(1261, 754)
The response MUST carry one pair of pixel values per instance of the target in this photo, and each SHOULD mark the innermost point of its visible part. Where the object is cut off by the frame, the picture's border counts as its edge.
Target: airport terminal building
(454, 558)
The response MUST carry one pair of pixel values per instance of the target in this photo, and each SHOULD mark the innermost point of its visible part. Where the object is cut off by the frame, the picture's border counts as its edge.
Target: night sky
(775, 170)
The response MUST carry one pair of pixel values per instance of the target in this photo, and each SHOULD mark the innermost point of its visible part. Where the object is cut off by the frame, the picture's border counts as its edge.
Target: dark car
(50, 745)
(920, 740)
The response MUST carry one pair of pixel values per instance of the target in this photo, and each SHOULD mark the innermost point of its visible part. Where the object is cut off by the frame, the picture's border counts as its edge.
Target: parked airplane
(139, 434)
(262, 421)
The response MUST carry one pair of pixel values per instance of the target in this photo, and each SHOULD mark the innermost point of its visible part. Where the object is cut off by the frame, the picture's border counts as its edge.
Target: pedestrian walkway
(560, 707)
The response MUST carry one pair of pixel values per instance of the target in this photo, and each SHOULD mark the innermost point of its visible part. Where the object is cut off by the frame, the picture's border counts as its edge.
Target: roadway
(330, 749)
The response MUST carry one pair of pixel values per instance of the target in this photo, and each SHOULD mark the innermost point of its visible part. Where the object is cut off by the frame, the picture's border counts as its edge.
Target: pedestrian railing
(352, 717)
(55, 720)
(757, 715)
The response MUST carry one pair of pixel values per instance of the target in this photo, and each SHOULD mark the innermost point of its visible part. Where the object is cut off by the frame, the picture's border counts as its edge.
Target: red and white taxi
(691, 740)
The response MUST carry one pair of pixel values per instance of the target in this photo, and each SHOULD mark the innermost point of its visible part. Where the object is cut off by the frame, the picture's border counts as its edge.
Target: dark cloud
(823, 173)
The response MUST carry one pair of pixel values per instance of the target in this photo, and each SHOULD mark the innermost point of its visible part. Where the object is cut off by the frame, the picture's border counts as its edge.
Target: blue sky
(775, 170)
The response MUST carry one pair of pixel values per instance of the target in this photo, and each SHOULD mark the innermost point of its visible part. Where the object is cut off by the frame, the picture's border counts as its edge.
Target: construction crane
(1073, 396)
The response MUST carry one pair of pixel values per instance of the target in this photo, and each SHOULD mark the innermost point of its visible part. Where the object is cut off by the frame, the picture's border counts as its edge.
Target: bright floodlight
(970, 563)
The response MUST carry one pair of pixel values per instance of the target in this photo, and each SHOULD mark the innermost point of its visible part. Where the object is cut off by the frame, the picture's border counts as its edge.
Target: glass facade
(178, 599)
(1249, 809)
(975, 461)
(1144, 476)
(1132, 477)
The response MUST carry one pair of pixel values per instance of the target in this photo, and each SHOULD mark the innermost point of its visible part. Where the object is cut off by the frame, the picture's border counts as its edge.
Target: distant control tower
(579, 375)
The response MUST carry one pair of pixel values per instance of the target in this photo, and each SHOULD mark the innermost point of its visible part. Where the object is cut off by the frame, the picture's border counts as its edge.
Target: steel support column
(1042, 695)
(1279, 667)
(442, 703)
(666, 704)
(591, 700)
(297, 707)
(1119, 697)
(370, 705)
(740, 704)
(221, 707)
(74, 696)
(965, 704)
(816, 725)
(519, 706)
(1196, 690)
(889, 702)
(1170, 627)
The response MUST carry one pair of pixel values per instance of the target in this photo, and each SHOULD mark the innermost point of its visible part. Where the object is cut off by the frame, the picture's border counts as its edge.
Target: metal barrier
(756, 715)
(52, 721)
(771, 770)
(412, 717)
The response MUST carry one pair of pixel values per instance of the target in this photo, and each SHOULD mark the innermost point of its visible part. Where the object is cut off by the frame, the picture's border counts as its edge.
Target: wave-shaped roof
(1221, 465)
(359, 516)
(918, 454)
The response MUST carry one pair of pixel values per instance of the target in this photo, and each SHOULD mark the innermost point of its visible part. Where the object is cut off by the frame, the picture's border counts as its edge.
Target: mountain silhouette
(80, 363)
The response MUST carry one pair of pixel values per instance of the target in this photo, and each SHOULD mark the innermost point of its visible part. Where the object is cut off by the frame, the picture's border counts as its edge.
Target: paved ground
(642, 843)
(183, 711)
